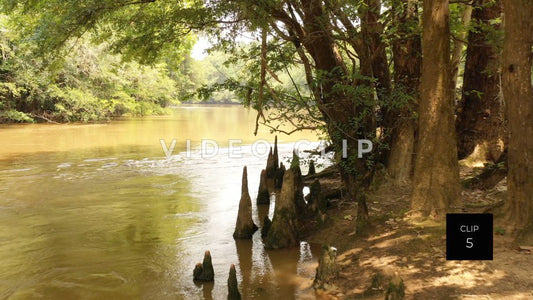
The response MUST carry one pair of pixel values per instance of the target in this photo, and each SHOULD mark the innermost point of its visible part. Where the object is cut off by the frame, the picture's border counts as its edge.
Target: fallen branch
(44, 118)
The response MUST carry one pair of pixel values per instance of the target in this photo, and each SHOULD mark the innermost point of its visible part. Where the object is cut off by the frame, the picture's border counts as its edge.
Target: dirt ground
(395, 243)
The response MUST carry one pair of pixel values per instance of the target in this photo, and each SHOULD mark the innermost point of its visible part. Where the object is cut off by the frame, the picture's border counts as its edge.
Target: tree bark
(233, 285)
(343, 101)
(244, 227)
(480, 116)
(374, 62)
(283, 232)
(518, 94)
(339, 109)
(457, 52)
(374, 65)
(407, 54)
(436, 176)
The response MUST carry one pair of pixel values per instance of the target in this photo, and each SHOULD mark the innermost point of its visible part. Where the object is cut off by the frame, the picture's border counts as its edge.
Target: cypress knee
(271, 169)
(283, 231)
(270, 182)
(278, 173)
(313, 199)
(298, 196)
(279, 177)
(233, 286)
(312, 170)
(266, 227)
(327, 269)
(396, 289)
(204, 271)
(263, 195)
(295, 162)
(276, 155)
(245, 227)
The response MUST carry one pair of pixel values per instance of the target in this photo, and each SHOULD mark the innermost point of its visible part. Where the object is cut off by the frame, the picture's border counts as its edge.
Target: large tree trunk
(340, 109)
(518, 94)
(436, 176)
(374, 62)
(457, 52)
(407, 59)
(342, 100)
(480, 117)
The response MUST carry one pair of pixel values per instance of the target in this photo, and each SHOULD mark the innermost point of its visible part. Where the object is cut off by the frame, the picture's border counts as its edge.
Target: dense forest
(85, 81)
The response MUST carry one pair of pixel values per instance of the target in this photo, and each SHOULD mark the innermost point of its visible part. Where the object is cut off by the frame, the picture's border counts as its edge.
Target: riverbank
(395, 243)
(101, 113)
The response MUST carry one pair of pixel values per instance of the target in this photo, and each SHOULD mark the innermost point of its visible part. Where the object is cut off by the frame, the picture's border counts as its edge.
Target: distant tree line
(86, 82)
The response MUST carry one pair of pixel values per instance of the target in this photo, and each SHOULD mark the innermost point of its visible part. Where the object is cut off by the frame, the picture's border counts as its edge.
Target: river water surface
(97, 212)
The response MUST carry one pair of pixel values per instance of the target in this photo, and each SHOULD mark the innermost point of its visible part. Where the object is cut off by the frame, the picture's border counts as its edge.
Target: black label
(469, 236)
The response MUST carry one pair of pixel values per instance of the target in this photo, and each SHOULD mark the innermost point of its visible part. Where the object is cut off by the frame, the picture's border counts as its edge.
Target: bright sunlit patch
(199, 51)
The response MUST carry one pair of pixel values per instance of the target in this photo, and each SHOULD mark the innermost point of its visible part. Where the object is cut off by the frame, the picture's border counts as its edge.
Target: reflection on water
(97, 212)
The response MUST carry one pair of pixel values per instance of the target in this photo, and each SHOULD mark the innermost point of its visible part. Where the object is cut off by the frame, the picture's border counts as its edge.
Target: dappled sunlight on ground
(394, 241)
(416, 251)
(467, 274)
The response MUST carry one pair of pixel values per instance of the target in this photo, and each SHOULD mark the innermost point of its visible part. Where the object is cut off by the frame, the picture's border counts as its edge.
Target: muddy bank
(397, 254)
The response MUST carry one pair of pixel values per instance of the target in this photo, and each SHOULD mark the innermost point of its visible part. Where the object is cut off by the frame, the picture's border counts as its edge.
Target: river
(97, 211)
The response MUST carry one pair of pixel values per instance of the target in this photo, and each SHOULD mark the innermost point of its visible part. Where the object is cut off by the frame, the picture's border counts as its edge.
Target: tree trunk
(459, 43)
(347, 119)
(480, 117)
(407, 59)
(374, 64)
(436, 176)
(518, 94)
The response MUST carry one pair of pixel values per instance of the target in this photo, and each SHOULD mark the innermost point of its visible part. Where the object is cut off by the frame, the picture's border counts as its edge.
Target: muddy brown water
(97, 212)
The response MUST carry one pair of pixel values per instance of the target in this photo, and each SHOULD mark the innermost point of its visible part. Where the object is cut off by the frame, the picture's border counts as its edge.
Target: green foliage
(295, 162)
(146, 30)
(207, 77)
(88, 84)
(499, 231)
(11, 115)
(286, 104)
